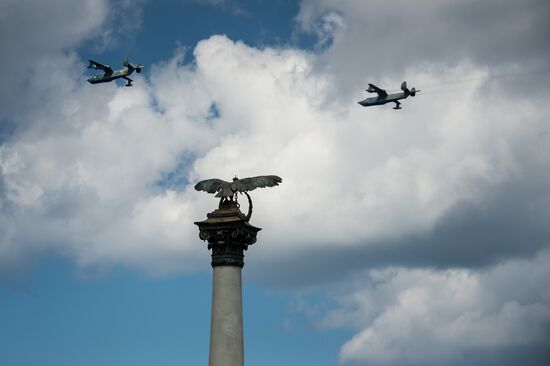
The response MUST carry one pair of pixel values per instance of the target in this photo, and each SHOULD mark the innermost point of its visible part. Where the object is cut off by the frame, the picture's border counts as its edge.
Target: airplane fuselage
(378, 100)
(383, 97)
(104, 78)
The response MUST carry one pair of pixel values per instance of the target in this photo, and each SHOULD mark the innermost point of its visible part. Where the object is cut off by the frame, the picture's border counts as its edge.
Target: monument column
(228, 234)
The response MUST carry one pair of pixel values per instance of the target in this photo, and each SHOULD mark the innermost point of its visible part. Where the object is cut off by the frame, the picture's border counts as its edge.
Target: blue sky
(184, 23)
(412, 237)
(58, 315)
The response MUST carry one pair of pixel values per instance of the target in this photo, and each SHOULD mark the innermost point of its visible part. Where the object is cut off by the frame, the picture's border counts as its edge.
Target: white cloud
(33, 31)
(352, 176)
(425, 317)
(376, 38)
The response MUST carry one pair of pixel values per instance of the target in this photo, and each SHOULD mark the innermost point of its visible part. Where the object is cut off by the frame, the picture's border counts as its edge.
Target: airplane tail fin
(137, 68)
(412, 92)
(404, 87)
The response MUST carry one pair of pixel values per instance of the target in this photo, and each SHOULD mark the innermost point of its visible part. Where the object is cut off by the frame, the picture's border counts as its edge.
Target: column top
(228, 214)
(228, 234)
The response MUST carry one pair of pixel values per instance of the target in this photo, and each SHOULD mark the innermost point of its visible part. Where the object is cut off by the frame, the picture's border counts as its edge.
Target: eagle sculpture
(227, 191)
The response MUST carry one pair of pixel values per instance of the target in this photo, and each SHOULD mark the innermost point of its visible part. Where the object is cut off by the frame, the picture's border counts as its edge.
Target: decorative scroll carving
(228, 235)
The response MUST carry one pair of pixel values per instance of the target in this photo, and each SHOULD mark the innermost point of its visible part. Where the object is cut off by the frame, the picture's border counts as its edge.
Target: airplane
(383, 97)
(110, 75)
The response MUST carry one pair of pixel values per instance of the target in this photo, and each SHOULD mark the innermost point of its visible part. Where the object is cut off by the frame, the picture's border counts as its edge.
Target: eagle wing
(211, 185)
(249, 184)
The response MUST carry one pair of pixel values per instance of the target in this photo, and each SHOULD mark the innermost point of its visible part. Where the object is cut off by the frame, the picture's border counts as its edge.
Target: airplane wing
(374, 89)
(98, 66)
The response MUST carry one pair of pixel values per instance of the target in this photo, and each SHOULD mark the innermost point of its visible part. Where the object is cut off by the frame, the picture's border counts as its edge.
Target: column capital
(228, 234)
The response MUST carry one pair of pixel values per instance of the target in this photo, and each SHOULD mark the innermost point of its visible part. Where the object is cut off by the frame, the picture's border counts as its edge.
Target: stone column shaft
(226, 329)
(228, 234)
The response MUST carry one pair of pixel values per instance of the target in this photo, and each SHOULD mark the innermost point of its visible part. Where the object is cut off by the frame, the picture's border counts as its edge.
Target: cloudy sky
(412, 237)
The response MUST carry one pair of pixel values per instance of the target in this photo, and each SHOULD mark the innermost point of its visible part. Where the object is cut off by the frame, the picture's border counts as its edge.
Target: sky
(411, 237)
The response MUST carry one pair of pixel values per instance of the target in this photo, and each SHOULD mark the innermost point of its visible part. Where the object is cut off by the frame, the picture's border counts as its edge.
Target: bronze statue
(227, 191)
